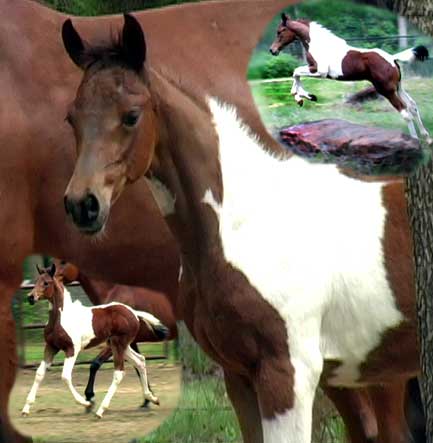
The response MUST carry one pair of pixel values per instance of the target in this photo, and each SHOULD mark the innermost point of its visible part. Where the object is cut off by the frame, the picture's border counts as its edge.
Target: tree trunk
(420, 207)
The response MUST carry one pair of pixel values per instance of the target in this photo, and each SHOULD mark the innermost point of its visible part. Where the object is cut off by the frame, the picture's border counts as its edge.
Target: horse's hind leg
(94, 368)
(146, 401)
(49, 354)
(389, 404)
(356, 410)
(402, 108)
(413, 109)
(139, 362)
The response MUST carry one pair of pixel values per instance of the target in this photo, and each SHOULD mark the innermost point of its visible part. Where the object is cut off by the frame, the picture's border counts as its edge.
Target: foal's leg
(413, 109)
(146, 402)
(297, 89)
(94, 368)
(244, 400)
(139, 362)
(118, 349)
(356, 410)
(68, 366)
(286, 398)
(401, 107)
(49, 354)
(389, 402)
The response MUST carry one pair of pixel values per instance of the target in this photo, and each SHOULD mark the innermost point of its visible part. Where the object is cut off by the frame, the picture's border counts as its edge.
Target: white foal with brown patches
(72, 327)
(317, 261)
(332, 57)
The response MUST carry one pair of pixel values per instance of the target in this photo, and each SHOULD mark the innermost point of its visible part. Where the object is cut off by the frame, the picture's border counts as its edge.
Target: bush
(281, 66)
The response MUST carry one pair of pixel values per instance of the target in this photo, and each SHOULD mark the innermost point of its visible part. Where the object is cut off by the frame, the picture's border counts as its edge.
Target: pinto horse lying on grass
(331, 57)
(72, 327)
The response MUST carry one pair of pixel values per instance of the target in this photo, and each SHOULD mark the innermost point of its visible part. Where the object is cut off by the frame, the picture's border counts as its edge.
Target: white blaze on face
(309, 239)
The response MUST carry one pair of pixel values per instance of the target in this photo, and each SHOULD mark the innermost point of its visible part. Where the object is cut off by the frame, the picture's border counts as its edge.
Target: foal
(72, 327)
(329, 56)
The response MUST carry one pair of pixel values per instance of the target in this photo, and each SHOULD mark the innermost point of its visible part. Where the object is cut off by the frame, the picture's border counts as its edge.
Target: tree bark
(419, 191)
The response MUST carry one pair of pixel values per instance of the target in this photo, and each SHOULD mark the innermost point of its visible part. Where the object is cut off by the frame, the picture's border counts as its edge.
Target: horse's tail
(414, 412)
(409, 55)
(161, 331)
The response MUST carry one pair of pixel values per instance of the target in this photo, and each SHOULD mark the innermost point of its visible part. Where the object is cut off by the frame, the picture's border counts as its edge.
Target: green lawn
(204, 415)
(279, 109)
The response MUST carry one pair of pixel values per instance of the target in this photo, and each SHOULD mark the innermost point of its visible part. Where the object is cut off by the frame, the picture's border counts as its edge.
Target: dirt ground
(56, 418)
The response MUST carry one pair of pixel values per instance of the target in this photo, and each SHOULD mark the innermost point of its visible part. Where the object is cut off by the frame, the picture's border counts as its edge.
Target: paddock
(57, 418)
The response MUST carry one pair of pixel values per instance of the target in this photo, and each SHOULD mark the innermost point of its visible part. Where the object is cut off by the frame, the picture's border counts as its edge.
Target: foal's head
(44, 286)
(113, 118)
(284, 37)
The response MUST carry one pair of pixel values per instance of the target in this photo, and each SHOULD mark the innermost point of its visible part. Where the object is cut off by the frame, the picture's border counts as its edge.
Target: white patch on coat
(329, 50)
(163, 197)
(309, 239)
(76, 320)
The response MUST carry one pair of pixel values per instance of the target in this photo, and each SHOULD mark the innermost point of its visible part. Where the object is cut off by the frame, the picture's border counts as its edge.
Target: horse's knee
(95, 365)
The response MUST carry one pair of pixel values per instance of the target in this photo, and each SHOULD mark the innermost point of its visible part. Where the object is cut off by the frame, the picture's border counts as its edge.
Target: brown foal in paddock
(276, 325)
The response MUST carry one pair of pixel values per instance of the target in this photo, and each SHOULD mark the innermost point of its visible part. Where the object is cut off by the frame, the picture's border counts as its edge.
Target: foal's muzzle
(274, 51)
(84, 213)
(31, 299)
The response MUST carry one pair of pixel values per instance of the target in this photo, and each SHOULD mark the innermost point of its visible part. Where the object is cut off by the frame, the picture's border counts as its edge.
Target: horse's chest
(231, 320)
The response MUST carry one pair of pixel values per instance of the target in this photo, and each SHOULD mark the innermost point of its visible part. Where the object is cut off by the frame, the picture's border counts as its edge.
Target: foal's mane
(106, 54)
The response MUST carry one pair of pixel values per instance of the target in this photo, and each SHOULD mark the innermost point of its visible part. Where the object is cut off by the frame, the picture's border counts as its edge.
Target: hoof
(300, 103)
(99, 414)
(89, 406)
(24, 414)
(313, 98)
(145, 405)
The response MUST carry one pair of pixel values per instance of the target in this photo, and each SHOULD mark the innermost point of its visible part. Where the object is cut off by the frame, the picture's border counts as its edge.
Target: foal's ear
(284, 18)
(73, 43)
(52, 270)
(133, 43)
(40, 272)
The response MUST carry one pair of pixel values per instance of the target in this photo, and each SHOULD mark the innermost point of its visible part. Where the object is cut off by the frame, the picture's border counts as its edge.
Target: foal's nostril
(91, 208)
(84, 212)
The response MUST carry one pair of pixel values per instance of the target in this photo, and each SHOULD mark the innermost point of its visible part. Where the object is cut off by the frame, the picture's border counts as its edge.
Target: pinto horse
(141, 299)
(329, 56)
(246, 221)
(73, 327)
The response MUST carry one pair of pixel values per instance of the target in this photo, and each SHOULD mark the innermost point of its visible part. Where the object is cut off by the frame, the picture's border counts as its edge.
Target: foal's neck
(187, 163)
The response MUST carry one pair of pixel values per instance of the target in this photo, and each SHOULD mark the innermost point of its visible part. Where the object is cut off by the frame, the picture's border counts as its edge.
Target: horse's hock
(370, 150)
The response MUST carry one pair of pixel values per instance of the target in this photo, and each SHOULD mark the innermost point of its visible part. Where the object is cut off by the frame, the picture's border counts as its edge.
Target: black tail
(421, 53)
(414, 411)
(161, 331)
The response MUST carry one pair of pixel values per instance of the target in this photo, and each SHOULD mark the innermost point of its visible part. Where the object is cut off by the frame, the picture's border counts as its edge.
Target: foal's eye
(45, 283)
(130, 118)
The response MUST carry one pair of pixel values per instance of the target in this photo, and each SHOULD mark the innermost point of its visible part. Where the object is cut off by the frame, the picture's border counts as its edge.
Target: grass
(204, 415)
(279, 109)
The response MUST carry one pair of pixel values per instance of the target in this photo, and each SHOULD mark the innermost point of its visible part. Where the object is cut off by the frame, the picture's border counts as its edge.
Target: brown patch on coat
(385, 362)
(116, 320)
(243, 332)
